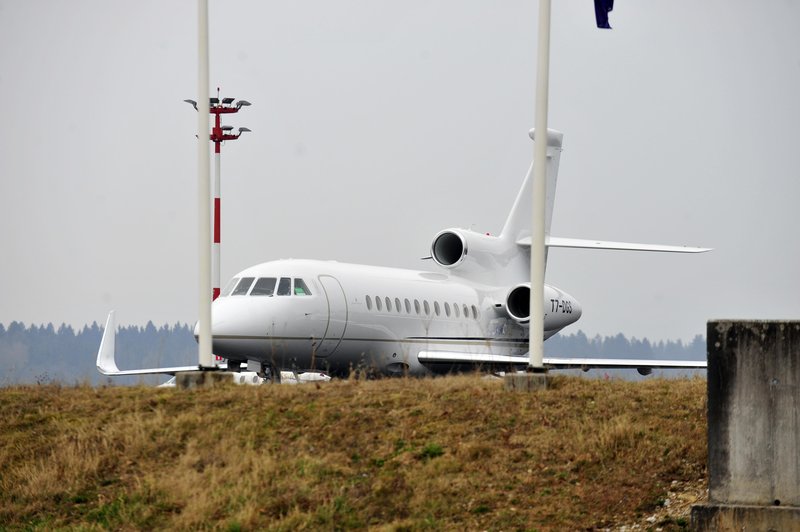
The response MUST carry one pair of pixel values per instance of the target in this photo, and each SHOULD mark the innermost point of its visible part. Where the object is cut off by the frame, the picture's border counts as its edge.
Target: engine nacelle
(560, 308)
(469, 251)
(518, 304)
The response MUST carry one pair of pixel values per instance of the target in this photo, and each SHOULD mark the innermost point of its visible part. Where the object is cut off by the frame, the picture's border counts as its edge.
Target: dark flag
(601, 10)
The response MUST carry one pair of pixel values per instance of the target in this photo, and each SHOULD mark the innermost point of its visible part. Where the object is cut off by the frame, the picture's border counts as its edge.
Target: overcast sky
(377, 123)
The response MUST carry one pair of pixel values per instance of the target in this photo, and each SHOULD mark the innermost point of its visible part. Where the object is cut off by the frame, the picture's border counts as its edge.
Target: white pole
(536, 350)
(204, 186)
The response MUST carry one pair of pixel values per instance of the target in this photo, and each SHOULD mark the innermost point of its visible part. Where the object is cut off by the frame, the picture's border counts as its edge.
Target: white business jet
(310, 315)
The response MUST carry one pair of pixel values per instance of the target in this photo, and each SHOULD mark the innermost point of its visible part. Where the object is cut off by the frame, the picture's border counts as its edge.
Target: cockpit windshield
(285, 286)
(300, 288)
(229, 287)
(265, 286)
(243, 286)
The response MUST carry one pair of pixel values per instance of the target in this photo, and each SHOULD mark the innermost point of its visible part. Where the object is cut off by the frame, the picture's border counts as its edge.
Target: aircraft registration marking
(561, 305)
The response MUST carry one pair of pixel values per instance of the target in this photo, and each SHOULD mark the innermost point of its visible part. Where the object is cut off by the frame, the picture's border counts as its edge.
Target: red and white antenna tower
(219, 134)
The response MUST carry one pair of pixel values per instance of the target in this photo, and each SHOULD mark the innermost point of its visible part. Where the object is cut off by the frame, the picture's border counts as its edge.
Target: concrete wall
(753, 418)
(721, 517)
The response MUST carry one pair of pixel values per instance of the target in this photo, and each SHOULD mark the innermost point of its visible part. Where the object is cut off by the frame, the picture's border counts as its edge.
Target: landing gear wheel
(270, 374)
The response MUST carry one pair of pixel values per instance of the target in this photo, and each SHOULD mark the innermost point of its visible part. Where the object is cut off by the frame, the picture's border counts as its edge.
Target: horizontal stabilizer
(489, 359)
(106, 356)
(559, 242)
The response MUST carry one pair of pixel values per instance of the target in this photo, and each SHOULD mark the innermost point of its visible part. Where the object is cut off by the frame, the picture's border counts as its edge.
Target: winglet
(106, 363)
(106, 360)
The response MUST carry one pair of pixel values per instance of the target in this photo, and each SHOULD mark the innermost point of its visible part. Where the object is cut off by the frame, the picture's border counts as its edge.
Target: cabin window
(397, 306)
(300, 288)
(369, 303)
(436, 307)
(408, 306)
(243, 286)
(427, 307)
(416, 306)
(265, 286)
(455, 310)
(378, 303)
(474, 312)
(285, 286)
(447, 309)
(466, 311)
(229, 287)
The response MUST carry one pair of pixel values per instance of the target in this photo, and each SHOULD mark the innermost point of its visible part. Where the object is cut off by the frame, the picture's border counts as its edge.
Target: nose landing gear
(270, 374)
(265, 370)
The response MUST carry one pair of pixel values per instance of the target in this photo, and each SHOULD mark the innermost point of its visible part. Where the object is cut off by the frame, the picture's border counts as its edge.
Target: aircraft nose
(223, 327)
(225, 320)
(221, 323)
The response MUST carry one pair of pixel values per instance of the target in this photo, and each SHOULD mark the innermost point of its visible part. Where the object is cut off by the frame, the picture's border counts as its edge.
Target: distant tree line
(44, 354)
(580, 345)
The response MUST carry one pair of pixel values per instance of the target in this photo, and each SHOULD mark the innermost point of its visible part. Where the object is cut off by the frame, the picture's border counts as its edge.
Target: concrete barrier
(526, 382)
(753, 427)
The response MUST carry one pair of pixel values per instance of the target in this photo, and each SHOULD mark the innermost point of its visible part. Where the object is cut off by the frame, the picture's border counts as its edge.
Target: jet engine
(518, 303)
(470, 251)
(560, 309)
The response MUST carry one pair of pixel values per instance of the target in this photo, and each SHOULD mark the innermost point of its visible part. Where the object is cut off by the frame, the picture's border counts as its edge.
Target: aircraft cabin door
(337, 316)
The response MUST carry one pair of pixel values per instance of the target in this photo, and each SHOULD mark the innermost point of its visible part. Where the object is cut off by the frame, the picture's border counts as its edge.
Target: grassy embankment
(448, 453)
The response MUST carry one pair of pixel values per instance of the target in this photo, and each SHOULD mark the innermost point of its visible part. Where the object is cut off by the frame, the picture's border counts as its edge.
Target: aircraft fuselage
(342, 317)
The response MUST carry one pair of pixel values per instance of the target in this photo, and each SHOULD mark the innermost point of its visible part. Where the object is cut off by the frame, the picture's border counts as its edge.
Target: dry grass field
(455, 453)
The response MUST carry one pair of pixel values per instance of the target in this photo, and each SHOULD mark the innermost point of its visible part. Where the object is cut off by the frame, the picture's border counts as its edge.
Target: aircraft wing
(490, 359)
(621, 363)
(106, 360)
(559, 242)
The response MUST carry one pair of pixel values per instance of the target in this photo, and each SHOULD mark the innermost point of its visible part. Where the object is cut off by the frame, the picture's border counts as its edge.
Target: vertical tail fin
(518, 223)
